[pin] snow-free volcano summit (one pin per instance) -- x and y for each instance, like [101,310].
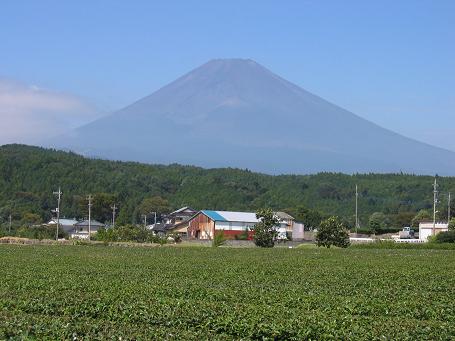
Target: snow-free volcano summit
[236,113]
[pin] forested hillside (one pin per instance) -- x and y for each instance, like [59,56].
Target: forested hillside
[29,175]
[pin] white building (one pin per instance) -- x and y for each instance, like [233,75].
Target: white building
[426,229]
[205,223]
[66,224]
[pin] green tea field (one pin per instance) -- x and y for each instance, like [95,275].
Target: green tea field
[100,292]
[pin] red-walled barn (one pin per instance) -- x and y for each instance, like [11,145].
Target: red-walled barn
[204,224]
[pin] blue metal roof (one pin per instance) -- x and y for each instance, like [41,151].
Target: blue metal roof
[214,215]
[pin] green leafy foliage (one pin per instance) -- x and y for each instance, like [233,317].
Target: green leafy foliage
[28,175]
[422,215]
[112,293]
[377,222]
[445,237]
[129,233]
[265,231]
[452,224]
[332,232]
[219,239]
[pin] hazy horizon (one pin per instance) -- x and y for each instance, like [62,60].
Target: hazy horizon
[391,63]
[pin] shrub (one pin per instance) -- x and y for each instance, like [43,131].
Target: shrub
[219,239]
[452,224]
[445,237]
[242,236]
[176,237]
[332,232]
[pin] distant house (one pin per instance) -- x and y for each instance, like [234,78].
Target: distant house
[426,229]
[158,228]
[178,221]
[66,224]
[287,223]
[81,228]
[180,215]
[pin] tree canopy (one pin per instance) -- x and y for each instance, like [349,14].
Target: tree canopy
[265,231]
[29,175]
[332,232]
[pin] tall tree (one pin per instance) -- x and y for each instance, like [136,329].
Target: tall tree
[422,215]
[265,231]
[154,204]
[377,222]
[332,232]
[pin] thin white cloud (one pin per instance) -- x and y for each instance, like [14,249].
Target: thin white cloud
[29,114]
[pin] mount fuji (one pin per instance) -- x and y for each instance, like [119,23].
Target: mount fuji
[236,113]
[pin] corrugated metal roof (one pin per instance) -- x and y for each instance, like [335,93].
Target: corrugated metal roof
[214,215]
[284,215]
[63,221]
[248,217]
[182,209]
[92,223]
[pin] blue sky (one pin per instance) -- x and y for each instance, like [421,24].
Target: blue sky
[392,62]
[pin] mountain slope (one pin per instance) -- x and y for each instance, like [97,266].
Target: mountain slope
[29,175]
[237,113]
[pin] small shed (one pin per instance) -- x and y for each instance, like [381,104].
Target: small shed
[426,229]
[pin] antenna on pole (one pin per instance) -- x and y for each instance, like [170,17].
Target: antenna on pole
[114,208]
[59,197]
[435,201]
[357,225]
[89,198]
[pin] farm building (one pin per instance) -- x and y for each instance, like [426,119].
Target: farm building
[426,229]
[66,224]
[81,229]
[205,223]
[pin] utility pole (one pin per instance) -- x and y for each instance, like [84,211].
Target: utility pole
[435,201]
[114,208]
[10,223]
[356,208]
[59,197]
[448,209]
[145,219]
[155,218]
[89,198]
